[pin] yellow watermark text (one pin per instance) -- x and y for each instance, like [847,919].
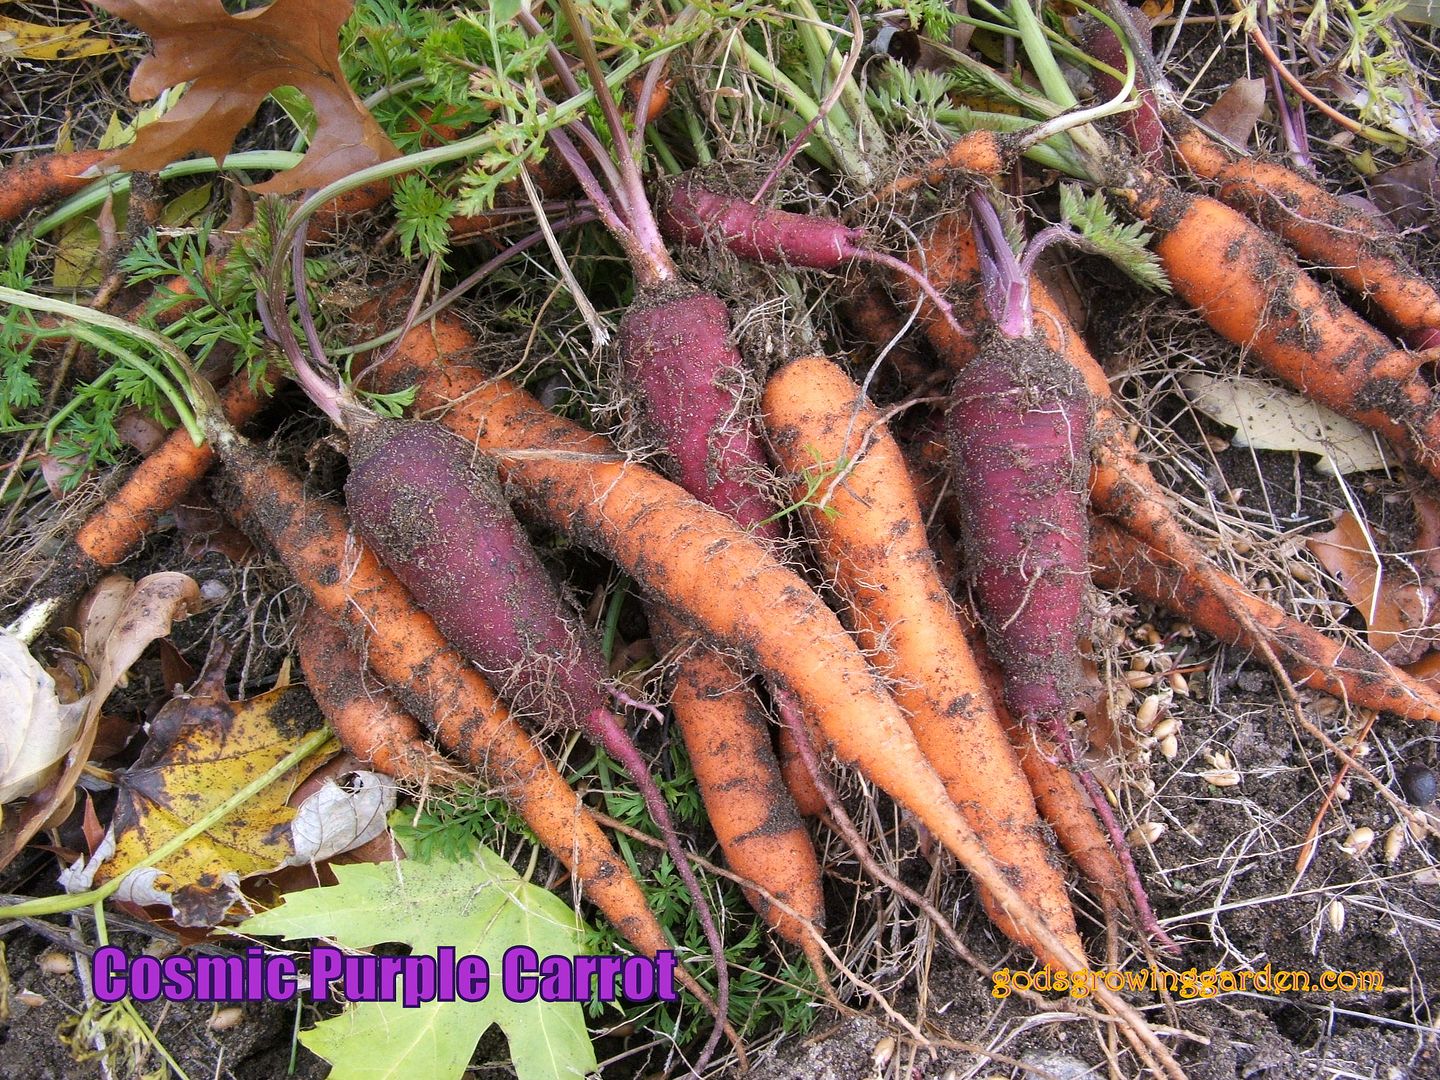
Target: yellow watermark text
[1188,984]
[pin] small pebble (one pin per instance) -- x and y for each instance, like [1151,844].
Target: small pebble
[226,1018]
[1417,781]
[55,962]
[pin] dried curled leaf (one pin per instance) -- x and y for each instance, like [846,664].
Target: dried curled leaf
[1269,417]
[1237,111]
[232,62]
[119,627]
[34,733]
[1399,610]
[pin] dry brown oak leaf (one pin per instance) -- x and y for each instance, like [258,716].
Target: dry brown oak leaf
[232,62]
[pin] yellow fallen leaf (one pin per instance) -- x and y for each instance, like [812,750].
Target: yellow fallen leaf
[203,748]
[35,41]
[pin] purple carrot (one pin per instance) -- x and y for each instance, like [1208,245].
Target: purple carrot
[695,215]
[1143,124]
[1020,429]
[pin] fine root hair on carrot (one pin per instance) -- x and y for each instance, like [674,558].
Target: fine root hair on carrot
[839,821]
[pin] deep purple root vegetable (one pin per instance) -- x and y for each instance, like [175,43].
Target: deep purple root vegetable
[1019,429]
[676,348]
[693,215]
[435,514]
[1143,124]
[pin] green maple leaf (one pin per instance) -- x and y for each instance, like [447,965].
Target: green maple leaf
[481,907]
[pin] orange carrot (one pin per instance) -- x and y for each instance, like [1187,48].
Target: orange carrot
[116,530]
[1065,806]
[978,152]
[949,257]
[1345,672]
[41,180]
[760,832]
[369,722]
[1254,294]
[798,781]
[872,315]
[872,544]
[1323,229]
[725,583]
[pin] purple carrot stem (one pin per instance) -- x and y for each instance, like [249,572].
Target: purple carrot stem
[1007,287]
[275,317]
[1292,116]
[302,299]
